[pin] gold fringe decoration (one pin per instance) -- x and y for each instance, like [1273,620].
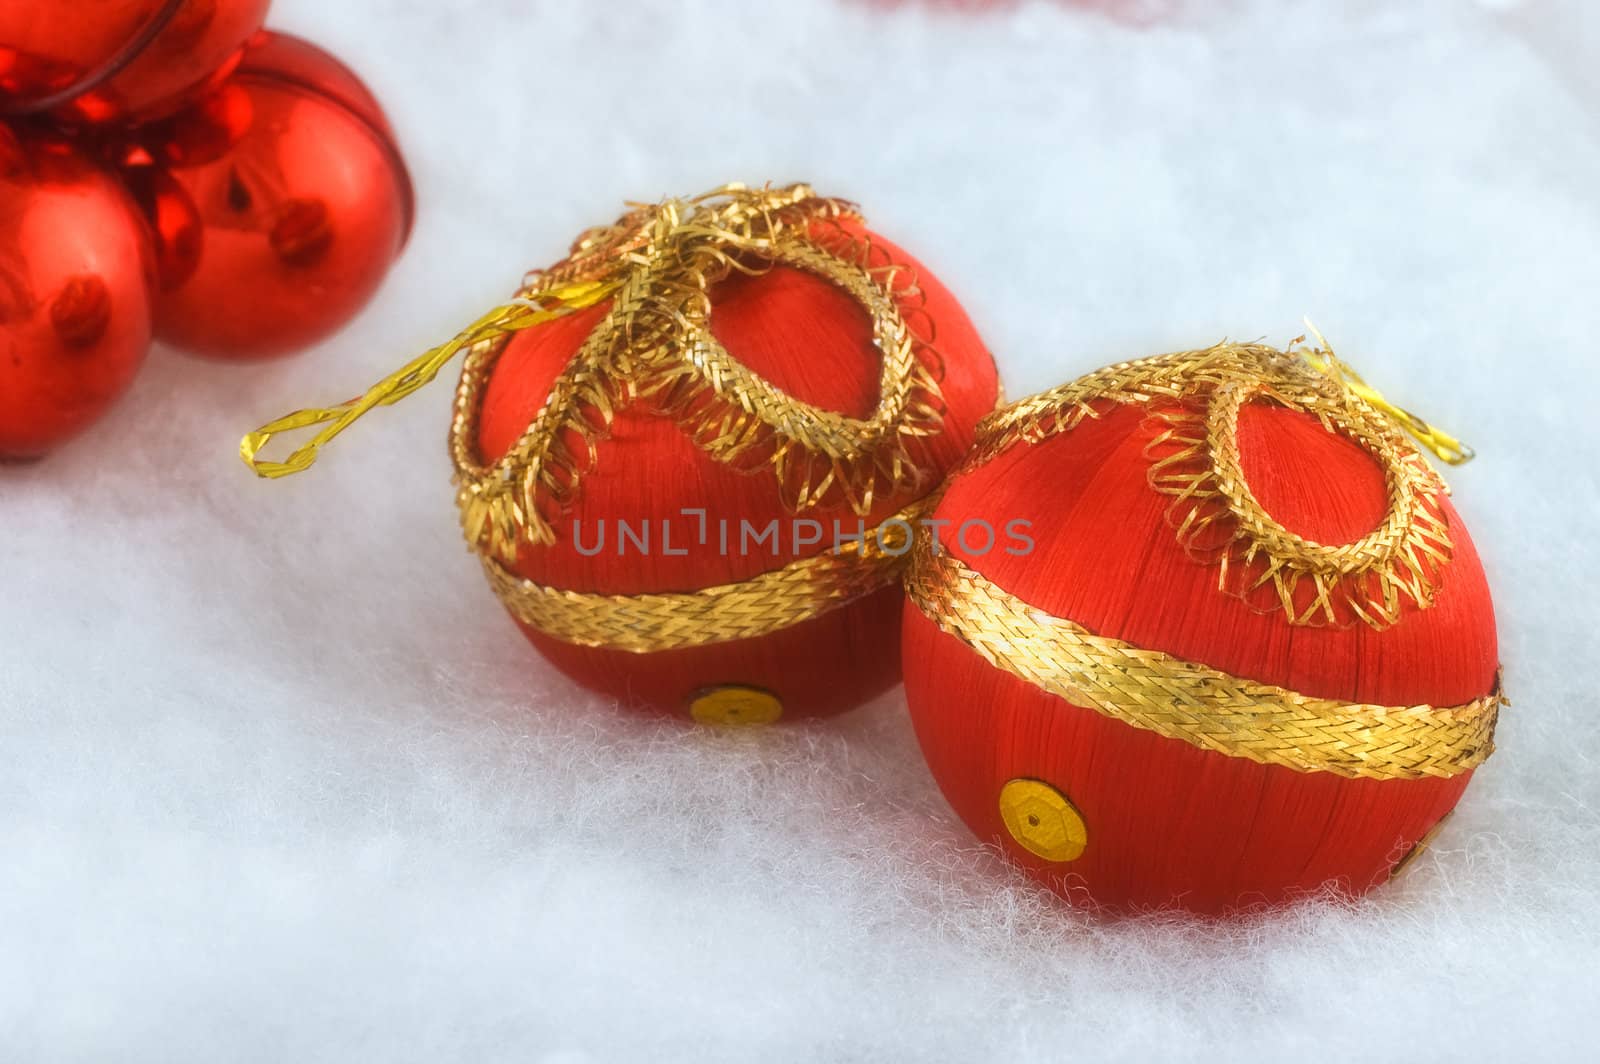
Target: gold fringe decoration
[656,266]
[1196,396]
[654,345]
[1192,703]
[653,270]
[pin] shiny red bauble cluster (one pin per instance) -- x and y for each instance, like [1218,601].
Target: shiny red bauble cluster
[168,169]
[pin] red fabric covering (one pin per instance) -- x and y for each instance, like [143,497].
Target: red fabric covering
[1168,822]
[813,342]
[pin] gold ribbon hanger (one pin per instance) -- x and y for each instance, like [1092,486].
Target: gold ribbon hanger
[513,316]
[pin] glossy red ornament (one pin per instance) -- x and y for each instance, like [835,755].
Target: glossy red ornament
[105,61]
[75,280]
[1172,541]
[280,203]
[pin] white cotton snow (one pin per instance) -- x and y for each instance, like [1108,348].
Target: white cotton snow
[279,780]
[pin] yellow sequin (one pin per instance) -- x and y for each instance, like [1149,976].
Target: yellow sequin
[1043,821]
[736,706]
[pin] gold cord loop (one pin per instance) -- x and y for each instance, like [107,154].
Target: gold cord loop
[518,314]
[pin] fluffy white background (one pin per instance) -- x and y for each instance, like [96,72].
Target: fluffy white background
[279,781]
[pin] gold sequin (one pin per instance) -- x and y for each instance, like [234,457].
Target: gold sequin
[1042,820]
[735,706]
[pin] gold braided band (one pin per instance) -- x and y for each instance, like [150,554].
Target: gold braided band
[1195,397]
[763,604]
[1190,702]
[649,275]
[652,272]
[654,346]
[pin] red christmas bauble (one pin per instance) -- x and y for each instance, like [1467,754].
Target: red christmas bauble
[1247,652]
[75,277]
[103,61]
[770,379]
[280,202]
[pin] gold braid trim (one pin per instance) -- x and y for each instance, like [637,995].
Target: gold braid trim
[1190,702]
[654,345]
[763,604]
[1196,396]
[651,273]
